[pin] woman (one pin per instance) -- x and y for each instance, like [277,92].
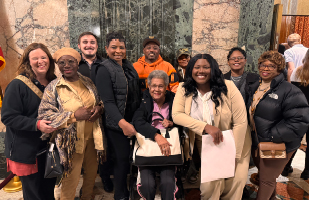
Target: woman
[118,86]
[237,59]
[23,130]
[156,99]
[302,77]
[183,58]
[279,113]
[72,105]
[205,103]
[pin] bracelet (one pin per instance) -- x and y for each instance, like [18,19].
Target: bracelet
[38,124]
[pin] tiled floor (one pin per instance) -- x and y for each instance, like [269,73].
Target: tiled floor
[294,188]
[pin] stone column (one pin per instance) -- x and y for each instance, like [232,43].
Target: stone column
[255,29]
[215,28]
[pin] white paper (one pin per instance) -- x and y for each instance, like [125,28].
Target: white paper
[218,161]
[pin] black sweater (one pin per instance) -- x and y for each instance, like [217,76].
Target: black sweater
[18,114]
[281,115]
[141,119]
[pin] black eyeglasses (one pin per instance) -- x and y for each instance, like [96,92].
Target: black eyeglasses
[63,63]
[237,58]
[270,67]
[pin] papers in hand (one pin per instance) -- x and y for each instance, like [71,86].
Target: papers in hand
[218,161]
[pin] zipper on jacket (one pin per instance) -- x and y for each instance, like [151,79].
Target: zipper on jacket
[125,104]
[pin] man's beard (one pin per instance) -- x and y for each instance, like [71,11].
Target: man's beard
[89,56]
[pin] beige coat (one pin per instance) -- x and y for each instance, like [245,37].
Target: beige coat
[230,114]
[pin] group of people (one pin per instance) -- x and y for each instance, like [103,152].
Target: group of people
[93,109]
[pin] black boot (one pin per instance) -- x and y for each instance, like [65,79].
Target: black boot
[108,184]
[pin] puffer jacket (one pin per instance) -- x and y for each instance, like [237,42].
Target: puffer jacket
[281,115]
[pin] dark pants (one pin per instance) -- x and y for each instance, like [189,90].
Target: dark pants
[147,188]
[35,186]
[106,168]
[120,145]
[269,170]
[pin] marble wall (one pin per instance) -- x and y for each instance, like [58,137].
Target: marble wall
[215,28]
[169,20]
[255,29]
[24,22]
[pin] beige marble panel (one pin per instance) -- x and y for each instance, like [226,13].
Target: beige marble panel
[24,22]
[215,28]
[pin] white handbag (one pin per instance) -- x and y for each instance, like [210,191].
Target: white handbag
[147,152]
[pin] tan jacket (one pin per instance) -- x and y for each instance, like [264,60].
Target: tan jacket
[230,114]
[71,101]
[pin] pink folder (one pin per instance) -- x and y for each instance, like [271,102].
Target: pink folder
[218,161]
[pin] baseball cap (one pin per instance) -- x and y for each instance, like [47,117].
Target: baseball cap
[182,51]
[151,39]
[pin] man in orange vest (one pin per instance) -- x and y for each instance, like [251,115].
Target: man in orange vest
[153,61]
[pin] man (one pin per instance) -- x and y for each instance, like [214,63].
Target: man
[153,61]
[88,45]
[294,56]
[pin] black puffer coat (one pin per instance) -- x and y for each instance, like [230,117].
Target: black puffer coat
[282,115]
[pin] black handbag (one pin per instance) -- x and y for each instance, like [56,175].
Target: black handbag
[53,168]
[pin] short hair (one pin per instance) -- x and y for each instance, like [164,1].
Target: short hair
[87,33]
[158,74]
[293,39]
[115,35]
[274,57]
[237,49]
[25,67]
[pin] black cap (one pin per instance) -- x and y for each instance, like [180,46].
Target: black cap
[151,39]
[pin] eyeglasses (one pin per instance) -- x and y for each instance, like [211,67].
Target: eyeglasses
[237,58]
[161,87]
[270,67]
[63,63]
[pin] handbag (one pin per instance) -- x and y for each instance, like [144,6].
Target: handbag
[53,168]
[272,150]
[147,152]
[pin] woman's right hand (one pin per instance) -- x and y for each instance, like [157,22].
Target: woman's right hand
[163,144]
[82,114]
[45,128]
[215,133]
[127,128]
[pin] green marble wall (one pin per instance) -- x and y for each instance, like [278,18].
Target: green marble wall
[255,24]
[169,20]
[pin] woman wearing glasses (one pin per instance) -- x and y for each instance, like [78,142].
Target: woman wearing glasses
[71,103]
[237,59]
[278,113]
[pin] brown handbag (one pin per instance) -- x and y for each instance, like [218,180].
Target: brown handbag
[272,150]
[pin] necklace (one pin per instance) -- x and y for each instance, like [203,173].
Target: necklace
[253,107]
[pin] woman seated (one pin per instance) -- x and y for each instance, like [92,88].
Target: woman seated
[156,99]
[207,104]
[278,113]
[72,104]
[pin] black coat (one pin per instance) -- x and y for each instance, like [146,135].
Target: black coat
[281,115]
[141,119]
[18,114]
[250,79]
[84,68]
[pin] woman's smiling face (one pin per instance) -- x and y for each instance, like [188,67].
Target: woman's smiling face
[201,72]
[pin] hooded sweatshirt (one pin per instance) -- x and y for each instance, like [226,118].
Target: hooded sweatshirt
[144,69]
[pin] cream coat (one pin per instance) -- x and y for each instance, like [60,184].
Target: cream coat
[230,114]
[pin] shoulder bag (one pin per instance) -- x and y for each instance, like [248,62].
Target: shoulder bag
[147,152]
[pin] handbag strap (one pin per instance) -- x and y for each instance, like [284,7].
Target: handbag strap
[161,118]
[30,84]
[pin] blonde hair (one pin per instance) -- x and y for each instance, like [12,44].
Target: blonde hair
[302,72]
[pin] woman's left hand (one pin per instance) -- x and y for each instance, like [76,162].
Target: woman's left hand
[167,123]
[97,111]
